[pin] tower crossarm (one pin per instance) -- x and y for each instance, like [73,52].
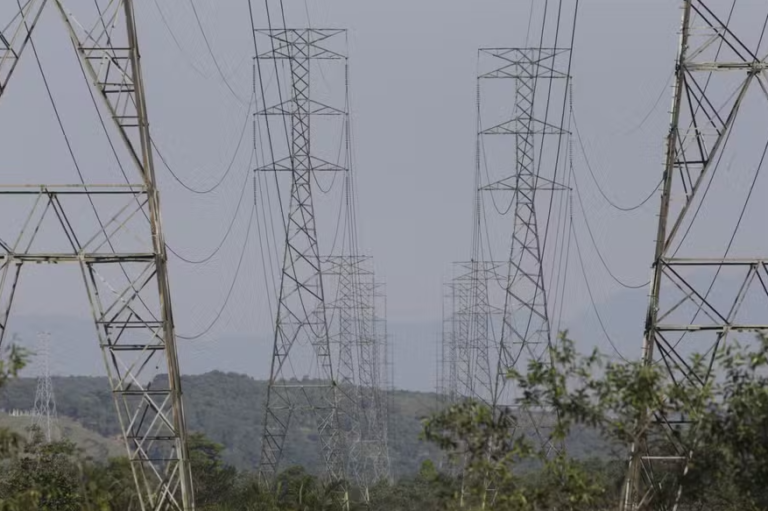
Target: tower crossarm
[703,295]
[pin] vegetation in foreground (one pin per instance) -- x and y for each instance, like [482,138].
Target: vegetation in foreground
[505,468]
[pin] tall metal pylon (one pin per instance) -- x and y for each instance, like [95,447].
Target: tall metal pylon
[456,380]
[354,332]
[525,330]
[461,295]
[301,312]
[387,365]
[709,283]
[346,333]
[381,383]
[473,319]
[120,250]
[44,417]
[343,334]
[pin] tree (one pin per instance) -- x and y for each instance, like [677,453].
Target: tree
[429,490]
[506,468]
[213,481]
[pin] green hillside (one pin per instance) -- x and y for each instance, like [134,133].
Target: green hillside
[92,443]
[228,408]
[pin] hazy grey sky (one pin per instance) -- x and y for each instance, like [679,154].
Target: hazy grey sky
[413,66]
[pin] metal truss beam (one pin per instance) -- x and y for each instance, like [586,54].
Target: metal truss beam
[715,74]
[15,34]
[126,281]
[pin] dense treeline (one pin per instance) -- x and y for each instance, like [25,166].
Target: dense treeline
[57,476]
[483,458]
[229,407]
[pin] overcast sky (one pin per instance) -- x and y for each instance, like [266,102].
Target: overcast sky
[413,67]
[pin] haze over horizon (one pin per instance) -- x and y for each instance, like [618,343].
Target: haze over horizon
[413,70]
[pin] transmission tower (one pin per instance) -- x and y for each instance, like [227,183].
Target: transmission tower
[44,418]
[387,380]
[473,324]
[461,295]
[343,336]
[525,330]
[381,383]
[301,312]
[121,254]
[456,377]
[709,284]
[356,332]
[353,332]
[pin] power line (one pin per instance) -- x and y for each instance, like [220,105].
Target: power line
[592,297]
[226,172]
[176,41]
[594,243]
[655,105]
[218,315]
[597,183]
[213,56]
[226,233]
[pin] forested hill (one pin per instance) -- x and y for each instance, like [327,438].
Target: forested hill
[228,408]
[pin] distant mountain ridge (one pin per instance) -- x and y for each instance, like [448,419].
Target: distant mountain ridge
[228,408]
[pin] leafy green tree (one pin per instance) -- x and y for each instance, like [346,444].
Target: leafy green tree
[729,411]
[429,490]
[212,479]
[507,468]
[49,471]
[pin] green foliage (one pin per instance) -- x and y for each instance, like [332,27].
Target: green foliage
[227,407]
[506,468]
[211,478]
[504,464]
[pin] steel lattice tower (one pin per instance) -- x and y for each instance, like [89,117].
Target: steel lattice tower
[456,377]
[461,294]
[352,331]
[359,360]
[526,326]
[472,324]
[301,312]
[44,418]
[344,335]
[706,290]
[380,435]
[123,258]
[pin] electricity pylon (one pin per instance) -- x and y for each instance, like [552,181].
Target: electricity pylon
[457,380]
[374,441]
[120,250]
[706,289]
[525,330]
[346,332]
[382,382]
[354,332]
[468,334]
[472,324]
[301,320]
[44,418]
